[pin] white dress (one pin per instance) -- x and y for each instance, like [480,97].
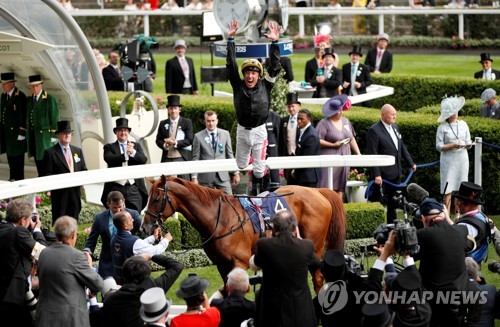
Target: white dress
[454,163]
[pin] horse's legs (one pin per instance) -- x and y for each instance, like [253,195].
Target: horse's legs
[317,280]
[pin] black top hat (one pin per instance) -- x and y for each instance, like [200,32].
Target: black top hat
[174,101]
[485,56]
[34,80]
[63,126]
[406,281]
[7,77]
[356,49]
[376,315]
[121,123]
[192,286]
[469,191]
[328,52]
[333,265]
[292,98]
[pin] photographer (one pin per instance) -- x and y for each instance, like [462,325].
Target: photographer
[17,249]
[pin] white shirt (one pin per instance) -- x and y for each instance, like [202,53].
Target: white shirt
[392,133]
[146,246]
[301,130]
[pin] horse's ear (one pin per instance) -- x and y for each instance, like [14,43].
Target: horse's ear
[163,179]
[151,180]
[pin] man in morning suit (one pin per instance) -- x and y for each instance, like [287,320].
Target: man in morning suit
[65,273]
[124,153]
[64,158]
[307,145]
[210,144]
[112,74]
[288,133]
[175,135]
[180,77]
[356,75]
[327,85]
[312,65]
[284,298]
[384,138]
[103,226]
[41,121]
[379,59]
[12,118]
[18,248]
[487,72]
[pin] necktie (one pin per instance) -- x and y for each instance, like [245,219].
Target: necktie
[68,158]
[34,99]
[7,97]
[172,128]
[292,122]
[118,71]
[353,69]
[214,144]
[184,63]
[490,109]
[112,228]
[124,150]
[379,55]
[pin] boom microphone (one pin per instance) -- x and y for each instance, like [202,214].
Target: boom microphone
[417,192]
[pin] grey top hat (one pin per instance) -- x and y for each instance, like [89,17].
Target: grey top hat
[122,123]
[35,80]
[109,285]
[357,50]
[7,77]
[154,305]
[180,43]
[488,94]
[192,286]
[383,36]
[63,126]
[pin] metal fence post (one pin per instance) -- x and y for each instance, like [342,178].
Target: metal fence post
[478,153]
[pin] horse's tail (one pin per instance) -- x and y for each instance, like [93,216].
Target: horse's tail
[335,237]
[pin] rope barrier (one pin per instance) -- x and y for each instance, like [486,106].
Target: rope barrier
[491,145]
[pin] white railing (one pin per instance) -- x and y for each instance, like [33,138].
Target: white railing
[302,12]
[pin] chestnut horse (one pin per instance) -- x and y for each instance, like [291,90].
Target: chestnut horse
[225,227]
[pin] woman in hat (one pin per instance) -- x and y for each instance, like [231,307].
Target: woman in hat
[452,140]
[199,312]
[337,136]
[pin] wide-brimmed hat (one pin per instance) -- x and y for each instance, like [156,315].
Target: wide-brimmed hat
[292,98]
[430,204]
[333,265]
[356,49]
[35,80]
[64,126]
[376,315]
[485,56]
[334,105]
[328,52]
[122,123]
[488,94]
[469,191]
[383,36]
[192,286]
[450,106]
[7,78]
[109,285]
[174,101]
[154,305]
[180,43]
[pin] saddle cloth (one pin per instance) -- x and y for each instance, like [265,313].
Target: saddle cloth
[263,208]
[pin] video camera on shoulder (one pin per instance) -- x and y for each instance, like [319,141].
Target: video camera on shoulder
[406,236]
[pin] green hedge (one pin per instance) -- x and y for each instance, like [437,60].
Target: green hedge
[363,218]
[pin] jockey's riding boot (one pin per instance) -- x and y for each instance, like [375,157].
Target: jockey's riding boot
[256,186]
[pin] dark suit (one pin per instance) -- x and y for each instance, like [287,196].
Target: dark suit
[100,227]
[174,76]
[15,266]
[308,145]
[202,150]
[362,76]
[479,74]
[385,62]
[64,274]
[112,80]
[330,86]
[114,158]
[234,310]
[380,142]
[311,69]
[494,113]
[284,298]
[12,118]
[64,201]
[286,64]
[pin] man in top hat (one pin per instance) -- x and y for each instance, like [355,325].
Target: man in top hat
[356,75]
[64,158]
[312,65]
[12,120]
[487,73]
[467,201]
[175,134]
[288,133]
[41,121]
[379,59]
[490,108]
[112,74]
[252,99]
[154,307]
[124,153]
[180,77]
[327,85]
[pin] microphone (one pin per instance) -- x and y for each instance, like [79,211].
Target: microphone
[417,192]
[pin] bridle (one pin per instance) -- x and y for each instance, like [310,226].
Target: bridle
[164,201]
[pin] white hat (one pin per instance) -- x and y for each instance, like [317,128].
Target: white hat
[383,36]
[154,305]
[180,43]
[450,106]
[488,94]
[109,285]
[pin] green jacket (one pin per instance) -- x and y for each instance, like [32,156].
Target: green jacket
[12,118]
[42,119]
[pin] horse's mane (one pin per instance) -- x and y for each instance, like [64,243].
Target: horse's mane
[206,195]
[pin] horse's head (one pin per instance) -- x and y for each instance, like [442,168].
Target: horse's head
[159,207]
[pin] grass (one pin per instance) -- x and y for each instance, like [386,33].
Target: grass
[435,65]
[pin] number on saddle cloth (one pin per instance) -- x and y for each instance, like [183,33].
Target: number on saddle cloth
[262,209]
